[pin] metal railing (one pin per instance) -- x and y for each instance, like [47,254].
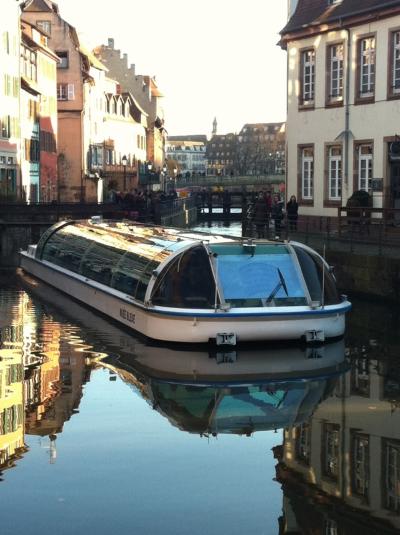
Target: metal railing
[353,229]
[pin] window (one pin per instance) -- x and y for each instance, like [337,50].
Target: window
[64,62]
[303,443]
[96,156]
[65,92]
[44,25]
[307,173]
[366,77]
[335,173]
[360,378]
[5,126]
[391,474]
[365,165]
[307,77]
[330,452]
[395,63]
[6,42]
[360,464]
[335,72]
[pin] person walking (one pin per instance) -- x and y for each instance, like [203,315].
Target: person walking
[292,209]
[260,215]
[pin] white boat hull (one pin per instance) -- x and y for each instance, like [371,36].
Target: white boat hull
[192,326]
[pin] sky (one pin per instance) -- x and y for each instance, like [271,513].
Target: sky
[211,58]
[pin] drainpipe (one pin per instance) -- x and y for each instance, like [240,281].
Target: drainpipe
[347,116]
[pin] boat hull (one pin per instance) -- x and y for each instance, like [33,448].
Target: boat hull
[190,326]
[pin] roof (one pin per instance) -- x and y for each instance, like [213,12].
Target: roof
[197,137]
[316,12]
[39,5]
[92,58]
[270,128]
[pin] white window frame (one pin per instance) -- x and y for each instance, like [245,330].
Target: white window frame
[367,66]
[65,92]
[336,55]
[360,464]
[396,62]
[335,174]
[308,76]
[391,469]
[365,167]
[307,173]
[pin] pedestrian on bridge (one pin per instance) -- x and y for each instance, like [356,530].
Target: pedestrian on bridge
[260,215]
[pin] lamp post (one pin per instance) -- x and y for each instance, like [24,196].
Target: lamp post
[124,162]
[163,174]
[175,173]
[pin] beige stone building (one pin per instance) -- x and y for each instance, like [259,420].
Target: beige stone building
[10,183]
[145,91]
[343,99]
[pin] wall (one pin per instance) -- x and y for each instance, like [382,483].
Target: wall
[323,125]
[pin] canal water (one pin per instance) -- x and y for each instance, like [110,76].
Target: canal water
[100,433]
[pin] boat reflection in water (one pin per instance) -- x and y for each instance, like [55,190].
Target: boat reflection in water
[209,394]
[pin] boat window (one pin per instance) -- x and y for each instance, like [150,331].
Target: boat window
[311,266]
[261,275]
[65,249]
[187,282]
[98,262]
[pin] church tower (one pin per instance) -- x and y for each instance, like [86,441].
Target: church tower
[214,130]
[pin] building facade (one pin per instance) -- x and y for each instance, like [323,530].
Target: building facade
[146,93]
[343,102]
[261,149]
[77,70]
[189,153]
[38,116]
[221,154]
[10,182]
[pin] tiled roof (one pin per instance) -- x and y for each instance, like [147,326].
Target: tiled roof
[314,12]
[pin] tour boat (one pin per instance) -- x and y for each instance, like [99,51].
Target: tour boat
[173,285]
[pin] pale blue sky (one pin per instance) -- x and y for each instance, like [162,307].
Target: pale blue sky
[210,57]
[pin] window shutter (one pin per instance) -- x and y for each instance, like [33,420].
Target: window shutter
[71,92]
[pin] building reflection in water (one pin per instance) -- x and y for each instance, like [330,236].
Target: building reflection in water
[42,372]
[340,471]
[339,464]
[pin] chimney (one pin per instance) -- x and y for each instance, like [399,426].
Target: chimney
[125,56]
[110,43]
[132,68]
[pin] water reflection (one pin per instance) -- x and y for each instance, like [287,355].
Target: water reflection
[338,458]
[340,471]
[260,390]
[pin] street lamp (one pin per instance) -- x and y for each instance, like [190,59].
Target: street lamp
[124,162]
[175,173]
[163,173]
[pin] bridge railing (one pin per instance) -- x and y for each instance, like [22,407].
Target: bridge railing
[356,229]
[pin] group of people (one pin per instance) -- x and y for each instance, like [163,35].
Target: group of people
[268,208]
[142,205]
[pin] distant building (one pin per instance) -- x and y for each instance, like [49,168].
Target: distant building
[189,152]
[221,154]
[145,91]
[10,184]
[343,102]
[261,149]
[38,116]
